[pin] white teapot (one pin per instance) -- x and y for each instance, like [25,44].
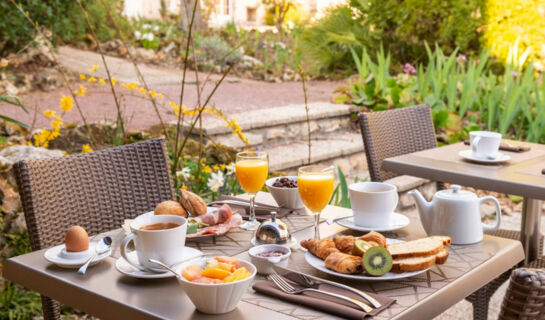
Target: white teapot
[455,213]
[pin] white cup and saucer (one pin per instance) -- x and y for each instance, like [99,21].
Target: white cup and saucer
[160,237]
[373,205]
[485,146]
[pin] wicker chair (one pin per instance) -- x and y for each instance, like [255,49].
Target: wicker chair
[525,296]
[396,132]
[95,190]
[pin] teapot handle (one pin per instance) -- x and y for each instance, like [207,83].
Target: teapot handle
[498,212]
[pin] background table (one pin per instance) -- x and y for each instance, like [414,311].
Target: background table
[105,293]
[520,176]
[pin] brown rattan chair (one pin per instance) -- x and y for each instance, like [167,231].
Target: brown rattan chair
[400,131]
[525,296]
[95,190]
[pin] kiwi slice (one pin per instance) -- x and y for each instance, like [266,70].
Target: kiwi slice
[360,247]
[377,261]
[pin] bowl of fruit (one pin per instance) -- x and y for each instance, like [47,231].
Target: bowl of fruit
[216,285]
[284,191]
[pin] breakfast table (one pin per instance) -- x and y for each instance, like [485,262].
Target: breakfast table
[522,175]
[105,293]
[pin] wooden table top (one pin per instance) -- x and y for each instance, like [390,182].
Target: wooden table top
[107,294]
[521,175]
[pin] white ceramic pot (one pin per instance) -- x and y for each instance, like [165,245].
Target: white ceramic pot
[285,197]
[215,298]
[265,265]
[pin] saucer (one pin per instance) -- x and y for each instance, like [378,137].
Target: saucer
[127,269]
[58,256]
[468,155]
[292,243]
[397,221]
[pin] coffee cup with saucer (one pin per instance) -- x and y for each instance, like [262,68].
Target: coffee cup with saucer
[373,203]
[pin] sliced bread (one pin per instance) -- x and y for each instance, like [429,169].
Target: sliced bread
[416,248]
[447,241]
[419,263]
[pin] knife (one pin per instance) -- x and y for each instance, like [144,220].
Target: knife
[244,204]
[313,282]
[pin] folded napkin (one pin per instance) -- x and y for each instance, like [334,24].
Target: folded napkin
[322,302]
[260,214]
[507,147]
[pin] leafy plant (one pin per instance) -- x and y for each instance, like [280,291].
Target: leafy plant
[13,100]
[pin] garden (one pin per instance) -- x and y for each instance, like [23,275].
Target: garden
[479,65]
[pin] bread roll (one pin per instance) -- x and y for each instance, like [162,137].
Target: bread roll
[192,203]
[170,207]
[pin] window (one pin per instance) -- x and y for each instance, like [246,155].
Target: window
[251,14]
[226,7]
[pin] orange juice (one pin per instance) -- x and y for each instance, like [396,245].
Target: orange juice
[251,174]
[316,190]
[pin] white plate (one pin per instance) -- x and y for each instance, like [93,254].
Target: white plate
[468,155]
[53,255]
[397,221]
[292,243]
[125,268]
[319,264]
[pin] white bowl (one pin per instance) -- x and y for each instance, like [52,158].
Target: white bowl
[263,265]
[285,197]
[215,298]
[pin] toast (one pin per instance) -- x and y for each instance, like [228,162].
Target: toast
[419,263]
[447,241]
[416,248]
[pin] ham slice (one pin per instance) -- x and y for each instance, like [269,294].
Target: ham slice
[233,222]
[216,217]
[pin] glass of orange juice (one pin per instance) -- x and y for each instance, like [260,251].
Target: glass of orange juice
[316,184]
[252,169]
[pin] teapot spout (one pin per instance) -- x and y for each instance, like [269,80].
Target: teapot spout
[424,209]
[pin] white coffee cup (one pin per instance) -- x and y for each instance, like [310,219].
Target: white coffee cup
[165,245]
[373,203]
[484,143]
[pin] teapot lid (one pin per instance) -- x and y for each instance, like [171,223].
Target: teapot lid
[456,193]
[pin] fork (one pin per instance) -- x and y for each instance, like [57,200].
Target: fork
[289,289]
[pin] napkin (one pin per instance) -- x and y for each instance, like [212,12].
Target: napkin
[260,214]
[322,302]
[507,147]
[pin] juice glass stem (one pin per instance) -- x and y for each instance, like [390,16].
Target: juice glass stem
[317,225]
[252,223]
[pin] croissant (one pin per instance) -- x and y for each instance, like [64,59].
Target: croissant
[344,263]
[345,244]
[320,248]
[376,237]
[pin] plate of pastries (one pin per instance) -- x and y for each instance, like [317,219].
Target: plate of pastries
[373,257]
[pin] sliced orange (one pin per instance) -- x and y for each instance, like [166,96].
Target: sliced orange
[226,259]
[215,273]
[192,272]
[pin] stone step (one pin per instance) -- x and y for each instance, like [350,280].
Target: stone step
[280,124]
[343,149]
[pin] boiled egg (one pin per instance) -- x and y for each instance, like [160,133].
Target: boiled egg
[76,239]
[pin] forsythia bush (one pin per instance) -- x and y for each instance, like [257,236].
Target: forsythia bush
[510,20]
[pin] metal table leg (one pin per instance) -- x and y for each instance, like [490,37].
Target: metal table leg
[531,229]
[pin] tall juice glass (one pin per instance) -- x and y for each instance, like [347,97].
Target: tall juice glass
[252,169]
[316,184]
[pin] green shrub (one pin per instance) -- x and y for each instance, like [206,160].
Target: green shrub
[63,18]
[214,51]
[401,27]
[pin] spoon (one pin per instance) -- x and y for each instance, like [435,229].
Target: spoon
[330,221]
[164,266]
[274,260]
[102,246]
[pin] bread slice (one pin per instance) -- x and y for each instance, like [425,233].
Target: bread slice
[447,241]
[416,248]
[419,263]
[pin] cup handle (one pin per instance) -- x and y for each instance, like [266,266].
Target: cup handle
[498,212]
[474,144]
[124,251]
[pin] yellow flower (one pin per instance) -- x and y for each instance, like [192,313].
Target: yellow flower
[123,85]
[92,79]
[160,96]
[81,91]
[176,109]
[49,113]
[172,103]
[184,187]
[114,81]
[142,90]
[223,166]
[82,76]
[93,68]
[66,103]
[131,86]
[207,169]
[86,148]
[152,93]
[4,63]
[216,168]
[101,81]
